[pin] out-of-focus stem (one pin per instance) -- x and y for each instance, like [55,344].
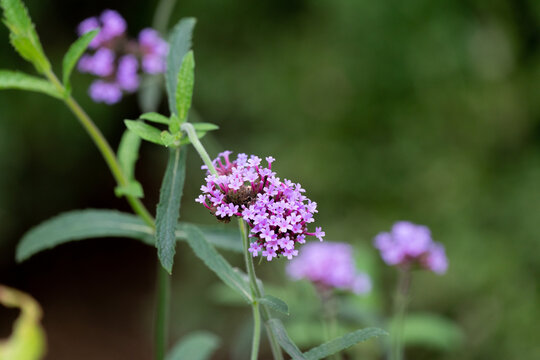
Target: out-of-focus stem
[400,309]
[162,15]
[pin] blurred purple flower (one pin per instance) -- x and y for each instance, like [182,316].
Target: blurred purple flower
[100,64]
[409,244]
[154,51]
[105,92]
[126,75]
[329,265]
[277,212]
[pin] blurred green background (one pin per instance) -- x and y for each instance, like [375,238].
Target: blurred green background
[393,110]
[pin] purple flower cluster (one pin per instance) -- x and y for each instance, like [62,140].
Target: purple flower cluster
[276,211]
[115,59]
[409,244]
[329,265]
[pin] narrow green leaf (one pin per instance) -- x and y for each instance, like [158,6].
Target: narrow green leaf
[275,304]
[217,263]
[145,131]
[284,340]
[195,346]
[133,188]
[204,126]
[155,117]
[128,153]
[21,81]
[342,343]
[23,35]
[180,44]
[430,330]
[168,209]
[184,87]
[185,140]
[73,54]
[221,236]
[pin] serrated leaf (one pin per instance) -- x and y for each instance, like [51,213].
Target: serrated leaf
[21,81]
[195,346]
[343,342]
[179,44]
[145,131]
[204,126]
[168,209]
[184,87]
[23,35]
[73,54]
[155,117]
[217,263]
[275,304]
[93,223]
[27,342]
[128,153]
[284,340]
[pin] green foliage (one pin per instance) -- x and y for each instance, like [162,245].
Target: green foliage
[180,44]
[155,117]
[128,153]
[203,127]
[27,342]
[94,223]
[21,81]
[275,304]
[145,131]
[431,330]
[342,343]
[168,209]
[196,346]
[217,263]
[284,340]
[184,87]
[73,54]
[23,35]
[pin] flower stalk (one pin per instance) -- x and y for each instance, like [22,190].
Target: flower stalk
[400,308]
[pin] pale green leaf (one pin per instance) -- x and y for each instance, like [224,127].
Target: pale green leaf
[168,139]
[284,340]
[342,343]
[179,44]
[27,342]
[168,209]
[275,304]
[155,117]
[204,126]
[195,346]
[145,131]
[184,87]
[217,263]
[21,81]
[133,188]
[128,153]
[73,54]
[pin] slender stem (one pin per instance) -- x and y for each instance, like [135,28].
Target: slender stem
[256,331]
[162,15]
[256,292]
[192,135]
[400,308]
[162,312]
[329,309]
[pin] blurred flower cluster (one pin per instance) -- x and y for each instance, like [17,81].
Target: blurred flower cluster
[276,211]
[329,265]
[409,244]
[116,59]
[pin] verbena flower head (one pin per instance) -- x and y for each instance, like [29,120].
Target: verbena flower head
[116,59]
[409,244]
[276,211]
[329,265]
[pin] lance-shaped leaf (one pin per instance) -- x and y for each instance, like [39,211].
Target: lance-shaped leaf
[21,81]
[168,209]
[93,223]
[217,263]
[155,117]
[23,35]
[275,304]
[284,340]
[73,54]
[27,342]
[196,346]
[128,153]
[145,131]
[184,88]
[342,343]
[179,44]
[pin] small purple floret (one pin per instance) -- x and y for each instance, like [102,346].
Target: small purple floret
[105,92]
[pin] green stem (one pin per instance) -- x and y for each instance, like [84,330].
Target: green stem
[329,310]
[162,15]
[400,308]
[192,135]
[256,331]
[256,292]
[162,312]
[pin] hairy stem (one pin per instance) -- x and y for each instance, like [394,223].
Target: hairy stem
[162,312]
[400,308]
[192,135]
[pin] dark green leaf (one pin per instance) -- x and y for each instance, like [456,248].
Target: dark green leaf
[195,346]
[145,131]
[342,343]
[283,339]
[215,262]
[21,81]
[180,44]
[128,153]
[168,209]
[184,87]
[73,54]
[275,304]
[155,117]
